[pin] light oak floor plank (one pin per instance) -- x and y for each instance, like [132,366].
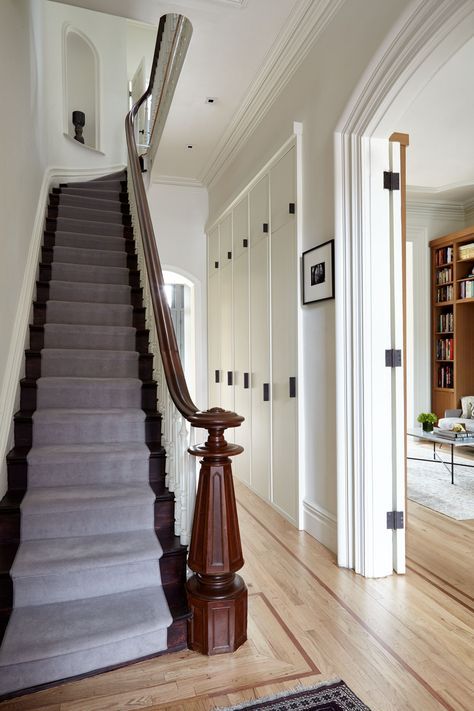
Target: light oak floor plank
[401,643]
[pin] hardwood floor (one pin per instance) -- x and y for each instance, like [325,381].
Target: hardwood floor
[401,643]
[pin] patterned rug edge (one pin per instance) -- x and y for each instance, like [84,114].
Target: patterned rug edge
[329,683]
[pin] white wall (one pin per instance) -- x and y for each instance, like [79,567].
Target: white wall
[141,40]
[109,36]
[21,172]
[425,221]
[316,95]
[179,216]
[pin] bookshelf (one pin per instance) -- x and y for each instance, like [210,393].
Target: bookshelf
[452,270]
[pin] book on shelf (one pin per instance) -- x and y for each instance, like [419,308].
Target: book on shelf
[446,322]
[444,255]
[443,276]
[445,376]
[466,251]
[466,288]
[445,349]
[444,293]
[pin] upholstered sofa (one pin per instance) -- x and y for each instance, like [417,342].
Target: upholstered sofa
[465,415]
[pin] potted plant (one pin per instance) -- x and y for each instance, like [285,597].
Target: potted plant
[427,420]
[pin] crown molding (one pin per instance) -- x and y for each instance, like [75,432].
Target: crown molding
[177,181]
[288,52]
[435,208]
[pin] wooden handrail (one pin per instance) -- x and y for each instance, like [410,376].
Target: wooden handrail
[215,592]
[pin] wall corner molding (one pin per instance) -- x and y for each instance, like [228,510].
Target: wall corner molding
[283,59]
[321,524]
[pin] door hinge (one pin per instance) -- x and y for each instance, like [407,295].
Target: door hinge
[395,520]
[393,358]
[391,181]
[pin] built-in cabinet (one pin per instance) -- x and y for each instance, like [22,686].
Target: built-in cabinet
[452,269]
[253,332]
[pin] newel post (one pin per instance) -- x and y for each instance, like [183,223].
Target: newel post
[216,595]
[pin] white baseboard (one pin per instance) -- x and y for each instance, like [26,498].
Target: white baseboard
[320,524]
[10,387]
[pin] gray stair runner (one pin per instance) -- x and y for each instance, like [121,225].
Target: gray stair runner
[87,584]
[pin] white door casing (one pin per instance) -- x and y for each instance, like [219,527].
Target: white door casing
[369,480]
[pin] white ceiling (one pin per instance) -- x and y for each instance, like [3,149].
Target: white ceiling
[440,123]
[232,41]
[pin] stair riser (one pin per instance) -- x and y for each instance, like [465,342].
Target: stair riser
[113,205]
[91,397]
[115,185]
[87,227]
[76,585]
[114,259]
[93,367]
[173,567]
[86,523]
[74,291]
[40,316]
[19,471]
[67,434]
[66,239]
[101,275]
[106,195]
[90,431]
[87,215]
[40,339]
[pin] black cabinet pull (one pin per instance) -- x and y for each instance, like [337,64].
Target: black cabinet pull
[229,255]
[292,386]
[230,377]
[291,208]
[265,226]
[246,381]
[245,242]
[266,392]
[217,376]
[216,265]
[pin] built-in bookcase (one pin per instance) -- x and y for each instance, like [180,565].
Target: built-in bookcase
[452,261]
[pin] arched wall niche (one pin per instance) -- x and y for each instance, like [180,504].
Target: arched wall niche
[81,84]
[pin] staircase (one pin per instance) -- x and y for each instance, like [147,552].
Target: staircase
[91,574]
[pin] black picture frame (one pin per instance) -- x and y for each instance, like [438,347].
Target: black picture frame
[317,266]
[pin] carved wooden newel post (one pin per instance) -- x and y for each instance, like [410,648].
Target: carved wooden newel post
[217,596]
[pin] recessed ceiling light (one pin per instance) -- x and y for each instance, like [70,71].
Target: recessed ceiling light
[211,100]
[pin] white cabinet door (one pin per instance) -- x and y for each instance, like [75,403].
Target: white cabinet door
[284,370]
[284,350]
[226,326]
[214,319]
[260,339]
[283,190]
[240,230]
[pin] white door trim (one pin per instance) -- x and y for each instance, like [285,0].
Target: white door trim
[426,35]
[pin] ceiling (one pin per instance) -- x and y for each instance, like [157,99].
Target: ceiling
[439,121]
[233,42]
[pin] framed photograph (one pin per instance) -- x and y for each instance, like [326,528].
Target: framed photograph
[318,273]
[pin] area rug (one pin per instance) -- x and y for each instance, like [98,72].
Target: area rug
[328,696]
[429,484]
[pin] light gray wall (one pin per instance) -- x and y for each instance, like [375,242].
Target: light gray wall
[316,95]
[21,170]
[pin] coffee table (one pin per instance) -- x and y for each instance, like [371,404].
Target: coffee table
[437,439]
